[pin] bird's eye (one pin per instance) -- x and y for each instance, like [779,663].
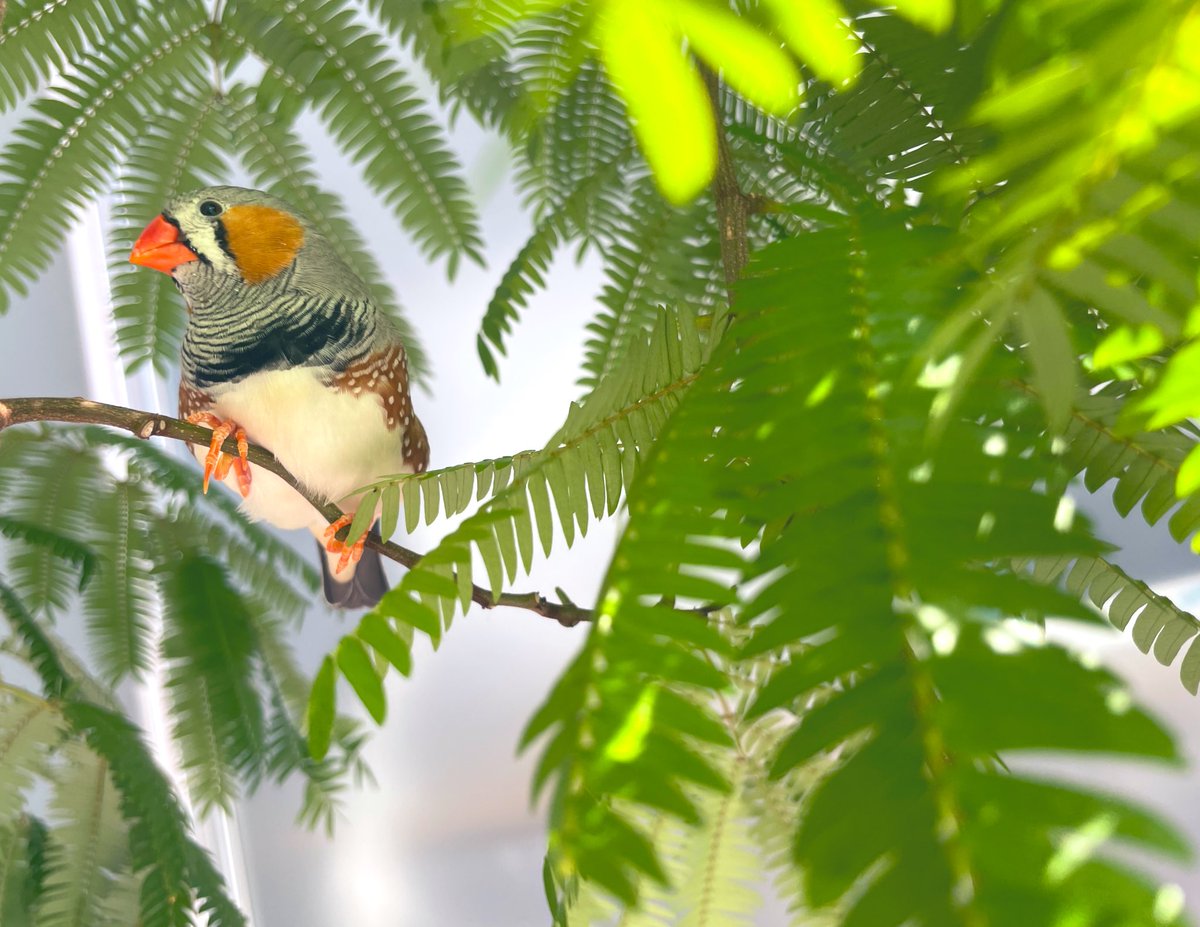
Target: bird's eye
[210,208]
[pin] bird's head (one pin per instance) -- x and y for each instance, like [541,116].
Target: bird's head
[223,230]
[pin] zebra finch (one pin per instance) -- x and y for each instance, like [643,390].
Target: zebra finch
[284,347]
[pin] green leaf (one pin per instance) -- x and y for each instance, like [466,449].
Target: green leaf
[375,631]
[216,710]
[1126,344]
[118,604]
[667,103]
[38,38]
[320,51]
[320,712]
[753,64]
[355,664]
[87,852]
[1189,474]
[814,29]
[364,516]
[935,15]
[68,147]
[178,877]
[1051,356]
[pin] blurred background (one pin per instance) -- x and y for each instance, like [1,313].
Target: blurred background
[446,835]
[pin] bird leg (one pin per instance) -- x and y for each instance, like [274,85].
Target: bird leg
[350,553]
[217,463]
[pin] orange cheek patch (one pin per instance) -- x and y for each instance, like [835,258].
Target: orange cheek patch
[262,240]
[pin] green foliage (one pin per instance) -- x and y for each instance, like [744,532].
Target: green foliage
[87,879]
[210,642]
[176,151]
[579,475]
[125,549]
[62,155]
[973,281]
[926,695]
[1157,623]
[316,48]
[39,37]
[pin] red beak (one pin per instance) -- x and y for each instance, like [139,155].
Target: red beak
[159,247]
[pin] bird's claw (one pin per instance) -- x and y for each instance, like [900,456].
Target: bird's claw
[350,553]
[217,463]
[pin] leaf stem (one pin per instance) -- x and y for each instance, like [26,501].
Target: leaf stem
[733,205]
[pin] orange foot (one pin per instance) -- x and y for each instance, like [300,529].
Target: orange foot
[218,463]
[350,553]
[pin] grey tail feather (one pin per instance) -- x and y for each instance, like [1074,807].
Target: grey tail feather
[365,588]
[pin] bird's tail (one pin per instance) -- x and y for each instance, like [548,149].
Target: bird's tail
[360,585]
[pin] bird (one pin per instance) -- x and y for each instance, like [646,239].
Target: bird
[284,347]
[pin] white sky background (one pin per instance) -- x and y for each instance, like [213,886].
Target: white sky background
[447,838]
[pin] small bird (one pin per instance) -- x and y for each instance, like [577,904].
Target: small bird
[285,348]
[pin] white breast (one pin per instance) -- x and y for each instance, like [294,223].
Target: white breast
[333,442]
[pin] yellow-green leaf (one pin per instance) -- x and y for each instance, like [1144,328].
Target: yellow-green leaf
[411,491]
[378,632]
[363,516]
[817,33]
[667,103]
[1051,356]
[934,15]
[1127,343]
[751,62]
[1188,480]
[1177,395]
[390,515]
[355,664]
[320,712]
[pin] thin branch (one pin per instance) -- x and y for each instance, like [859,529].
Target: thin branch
[148,425]
[214,39]
[733,205]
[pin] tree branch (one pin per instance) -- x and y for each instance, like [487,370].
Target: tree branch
[147,425]
[733,206]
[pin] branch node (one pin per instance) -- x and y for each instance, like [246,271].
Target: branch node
[147,429]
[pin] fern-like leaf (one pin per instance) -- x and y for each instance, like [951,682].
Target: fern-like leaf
[88,850]
[39,36]
[472,74]
[851,508]
[653,263]
[173,866]
[62,547]
[118,604]
[59,486]
[216,710]
[524,275]
[579,136]
[29,728]
[1158,624]
[179,150]
[319,48]
[61,155]
[21,857]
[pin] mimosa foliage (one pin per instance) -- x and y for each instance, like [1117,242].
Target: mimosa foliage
[847,474]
